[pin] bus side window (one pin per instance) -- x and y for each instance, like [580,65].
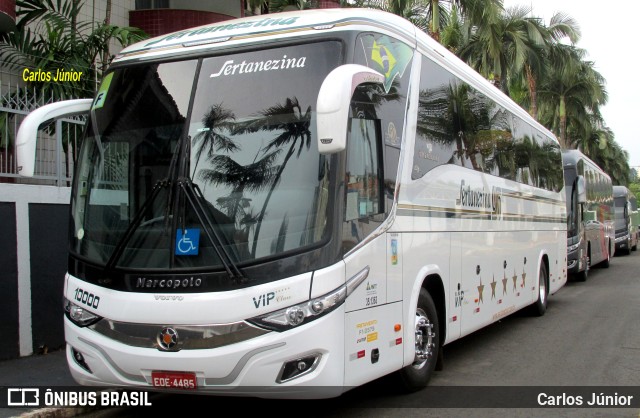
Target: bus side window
[363,186]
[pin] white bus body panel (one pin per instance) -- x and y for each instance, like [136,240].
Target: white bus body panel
[489,258]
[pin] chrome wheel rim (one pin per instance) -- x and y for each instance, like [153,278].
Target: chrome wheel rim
[543,289]
[424,337]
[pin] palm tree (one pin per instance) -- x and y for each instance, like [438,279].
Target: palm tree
[415,11]
[286,5]
[561,26]
[58,42]
[252,177]
[614,161]
[589,135]
[432,16]
[500,48]
[523,81]
[211,138]
[571,90]
[453,33]
[293,128]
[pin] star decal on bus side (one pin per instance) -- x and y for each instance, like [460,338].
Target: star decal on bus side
[493,287]
[515,279]
[480,291]
[504,284]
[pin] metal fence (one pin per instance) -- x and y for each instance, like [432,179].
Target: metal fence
[57,143]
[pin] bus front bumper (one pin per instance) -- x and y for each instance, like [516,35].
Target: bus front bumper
[255,367]
[576,259]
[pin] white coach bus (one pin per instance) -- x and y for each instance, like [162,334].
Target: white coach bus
[590,214]
[302,201]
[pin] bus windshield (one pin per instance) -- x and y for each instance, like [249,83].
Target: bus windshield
[572,201]
[242,136]
[620,206]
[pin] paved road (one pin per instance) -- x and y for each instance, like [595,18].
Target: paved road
[590,336]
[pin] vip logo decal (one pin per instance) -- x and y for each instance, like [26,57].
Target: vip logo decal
[264,300]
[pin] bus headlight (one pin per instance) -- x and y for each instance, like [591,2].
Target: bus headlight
[79,315]
[573,247]
[306,312]
[622,238]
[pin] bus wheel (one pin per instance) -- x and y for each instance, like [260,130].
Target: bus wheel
[539,307]
[584,274]
[427,345]
[607,262]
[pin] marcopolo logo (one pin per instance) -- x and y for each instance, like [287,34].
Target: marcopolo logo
[174,283]
[284,63]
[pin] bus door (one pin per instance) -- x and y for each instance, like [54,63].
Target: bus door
[370,336]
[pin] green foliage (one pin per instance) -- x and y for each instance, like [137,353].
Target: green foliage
[48,37]
[634,186]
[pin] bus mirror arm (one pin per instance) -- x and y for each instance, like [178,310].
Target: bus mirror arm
[28,132]
[334,99]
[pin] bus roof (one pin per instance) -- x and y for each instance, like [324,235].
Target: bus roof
[238,32]
[621,191]
[570,157]
[275,25]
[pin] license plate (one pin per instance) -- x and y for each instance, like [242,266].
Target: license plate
[174,380]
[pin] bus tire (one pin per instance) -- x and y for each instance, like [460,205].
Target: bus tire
[584,274]
[416,376]
[539,307]
[607,262]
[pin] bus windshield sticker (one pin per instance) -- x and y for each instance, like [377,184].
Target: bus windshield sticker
[187,241]
[284,63]
[268,23]
[101,97]
[391,59]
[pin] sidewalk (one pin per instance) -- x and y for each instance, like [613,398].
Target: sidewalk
[44,370]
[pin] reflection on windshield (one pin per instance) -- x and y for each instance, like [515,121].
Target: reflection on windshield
[250,158]
[255,160]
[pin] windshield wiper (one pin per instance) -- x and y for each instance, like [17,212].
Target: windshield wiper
[195,198]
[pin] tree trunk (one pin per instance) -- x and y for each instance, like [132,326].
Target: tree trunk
[260,217]
[533,94]
[563,123]
[435,20]
[105,53]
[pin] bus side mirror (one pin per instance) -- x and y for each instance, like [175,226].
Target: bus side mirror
[334,99]
[581,189]
[28,131]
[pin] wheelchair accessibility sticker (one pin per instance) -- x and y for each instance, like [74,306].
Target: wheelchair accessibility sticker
[187,241]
